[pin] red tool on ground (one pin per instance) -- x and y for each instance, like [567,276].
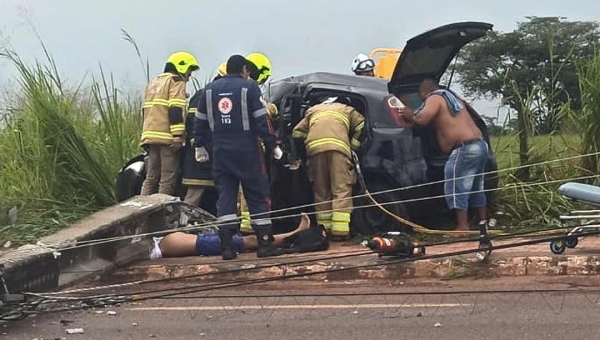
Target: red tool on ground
[395,244]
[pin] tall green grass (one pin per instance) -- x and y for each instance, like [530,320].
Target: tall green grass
[532,200]
[535,202]
[61,148]
[527,199]
[526,204]
[588,120]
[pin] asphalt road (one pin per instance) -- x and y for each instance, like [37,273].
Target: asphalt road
[322,316]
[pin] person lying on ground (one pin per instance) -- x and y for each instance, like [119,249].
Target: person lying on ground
[180,244]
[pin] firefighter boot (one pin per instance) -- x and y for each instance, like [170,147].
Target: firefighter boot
[266,248]
[228,251]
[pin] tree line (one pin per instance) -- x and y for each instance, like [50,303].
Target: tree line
[535,71]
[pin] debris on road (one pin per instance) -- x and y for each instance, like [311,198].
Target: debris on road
[131,204]
[111,313]
[74,330]
[437,325]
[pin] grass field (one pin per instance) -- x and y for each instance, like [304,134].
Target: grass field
[549,147]
[554,160]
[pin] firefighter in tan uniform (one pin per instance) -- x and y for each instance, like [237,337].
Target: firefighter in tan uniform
[163,129]
[330,131]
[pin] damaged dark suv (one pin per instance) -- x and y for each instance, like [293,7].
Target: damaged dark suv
[391,156]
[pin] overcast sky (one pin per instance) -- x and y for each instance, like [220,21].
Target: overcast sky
[299,36]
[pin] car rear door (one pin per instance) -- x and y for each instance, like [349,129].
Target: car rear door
[429,54]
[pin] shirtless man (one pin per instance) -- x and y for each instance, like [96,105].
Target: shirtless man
[180,244]
[458,136]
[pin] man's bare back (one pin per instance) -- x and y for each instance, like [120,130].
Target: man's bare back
[452,130]
[436,111]
[454,125]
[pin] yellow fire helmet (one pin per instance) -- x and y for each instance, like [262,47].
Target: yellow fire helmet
[183,62]
[263,67]
[222,70]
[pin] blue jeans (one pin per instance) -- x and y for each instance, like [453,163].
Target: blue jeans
[463,174]
[209,244]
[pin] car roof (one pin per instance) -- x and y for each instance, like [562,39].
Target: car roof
[367,86]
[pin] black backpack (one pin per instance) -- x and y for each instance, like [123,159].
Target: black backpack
[309,240]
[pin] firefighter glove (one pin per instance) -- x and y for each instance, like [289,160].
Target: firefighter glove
[272,110]
[277,153]
[201,155]
[294,165]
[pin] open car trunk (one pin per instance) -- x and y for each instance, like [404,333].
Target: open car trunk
[429,54]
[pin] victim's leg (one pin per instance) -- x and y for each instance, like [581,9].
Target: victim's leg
[250,242]
[178,244]
[256,192]
[303,225]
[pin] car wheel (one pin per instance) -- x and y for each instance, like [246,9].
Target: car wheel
[372,220]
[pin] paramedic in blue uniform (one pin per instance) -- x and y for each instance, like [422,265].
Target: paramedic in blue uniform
[233,111]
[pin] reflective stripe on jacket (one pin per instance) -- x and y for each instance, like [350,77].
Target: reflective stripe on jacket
[164,107]
[233,112]
[327,127]
[195,173]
